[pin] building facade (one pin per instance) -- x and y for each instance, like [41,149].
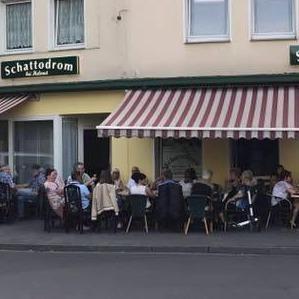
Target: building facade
[145,46]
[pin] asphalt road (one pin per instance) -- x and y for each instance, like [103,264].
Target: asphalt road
[107,276]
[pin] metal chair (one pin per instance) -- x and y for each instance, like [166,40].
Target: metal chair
[196,207]
[137,206]
[73,212]
[283,210]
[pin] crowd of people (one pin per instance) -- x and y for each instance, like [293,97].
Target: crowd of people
[165,196]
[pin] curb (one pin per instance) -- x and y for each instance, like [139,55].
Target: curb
[152,249]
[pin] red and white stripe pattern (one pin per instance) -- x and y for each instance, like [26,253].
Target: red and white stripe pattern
[9,101]
[245,112]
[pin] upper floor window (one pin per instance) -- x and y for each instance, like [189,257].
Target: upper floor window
[18,25]
[273,19]
[69,22]
[208,20]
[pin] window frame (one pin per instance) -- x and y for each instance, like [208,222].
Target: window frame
[3,43]
[53,46]
[272,35]
[188,38]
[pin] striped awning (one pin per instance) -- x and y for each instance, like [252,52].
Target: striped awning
[7,102]
[245,112]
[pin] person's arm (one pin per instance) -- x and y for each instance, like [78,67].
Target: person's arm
[235,197]
[149,192]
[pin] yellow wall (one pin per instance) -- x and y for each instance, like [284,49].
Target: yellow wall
[289,156]
[133,152]
[216,157]
[91,102]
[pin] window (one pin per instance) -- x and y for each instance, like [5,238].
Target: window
[18,25]
[178,155]
[273,19]
[69,23]
[3,142]
[33,144]
[208,20]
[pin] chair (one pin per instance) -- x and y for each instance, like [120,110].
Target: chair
[73,211]
[196,207]
[46,211]
[283,210]
[7,206]
[137,206]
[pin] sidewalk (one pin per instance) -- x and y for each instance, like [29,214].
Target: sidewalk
[29,235]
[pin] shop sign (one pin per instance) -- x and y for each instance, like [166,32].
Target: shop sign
[53,66]
[294,55]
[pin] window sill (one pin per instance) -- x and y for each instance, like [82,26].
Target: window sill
[68,48]
[195,40]
[16,52]
[255,37]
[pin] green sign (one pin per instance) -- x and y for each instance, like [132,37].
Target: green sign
[294,55]
[53,66]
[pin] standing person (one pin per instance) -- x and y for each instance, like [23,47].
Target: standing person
[84,177]
[54,190]
[282,190]
[131,181]
[29,192]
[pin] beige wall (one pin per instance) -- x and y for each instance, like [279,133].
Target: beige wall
[149,42]
[216,157]
[289,156]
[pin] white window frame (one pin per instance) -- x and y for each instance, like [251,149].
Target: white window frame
[3,43]
[188,38]
[273,35]
[52,31]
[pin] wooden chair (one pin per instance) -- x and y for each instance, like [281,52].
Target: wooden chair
[196,207]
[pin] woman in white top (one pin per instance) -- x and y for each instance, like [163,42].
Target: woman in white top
[187,183]
[140,188]
[282,190]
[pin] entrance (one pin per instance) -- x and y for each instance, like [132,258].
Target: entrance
[96,152]
[260,156]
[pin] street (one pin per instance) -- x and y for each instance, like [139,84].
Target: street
[37,275]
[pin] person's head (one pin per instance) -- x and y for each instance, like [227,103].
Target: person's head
[115,174]
[234,174]
[279,169]
[79,166]
[273,179]
[76,176]
[207,175]
[139,178]
[167,174]
[105,177]
[188,176]
[35,169]
[135,169]
[51,174]
[247,177]
[286,176]
[5,168]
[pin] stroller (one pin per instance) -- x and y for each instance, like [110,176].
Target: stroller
[238,217]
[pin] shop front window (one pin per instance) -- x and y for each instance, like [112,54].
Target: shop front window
[3,142]
[33,144]
[178,155]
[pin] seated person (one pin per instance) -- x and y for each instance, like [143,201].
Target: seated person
[131,181]
[170,202]
[282,190]
[84,177]
[117,181]
[54,188]
[104,196]
[233,183]
[85,193]
[140,188]
[241,198]
[29,192]
[187,183]
[6,176]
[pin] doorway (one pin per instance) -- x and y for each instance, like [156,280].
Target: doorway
[260,156]
[96,152]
